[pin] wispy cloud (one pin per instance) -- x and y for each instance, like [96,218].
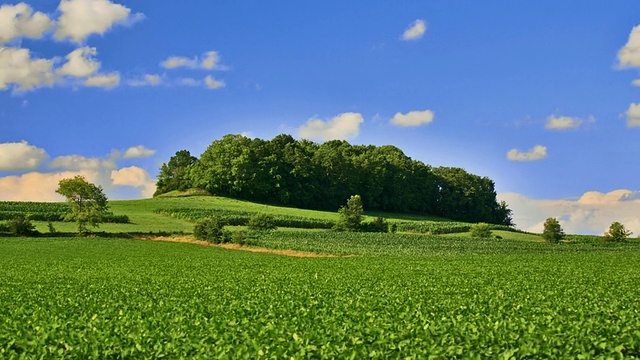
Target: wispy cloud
[555,122]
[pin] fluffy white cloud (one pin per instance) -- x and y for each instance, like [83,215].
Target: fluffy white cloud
[137,152]
[209,61]
[20,156]
[103,80]
[19,20]
[538,152]
[592,213]
[212,83]
[80,63]
[415,31]
[562,122]
[82,18]
[636,82]
[18,69]
[633,115]
[413,118]
[37,186]
[342,127]
[146,80]
[629,55]
[136,177]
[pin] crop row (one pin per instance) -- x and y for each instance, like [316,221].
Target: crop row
[441,227]
[231,217]
[40,211]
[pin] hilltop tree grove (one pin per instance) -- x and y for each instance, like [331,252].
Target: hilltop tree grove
[304,174]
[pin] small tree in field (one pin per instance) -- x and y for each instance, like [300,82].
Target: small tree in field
[481,230]
[552,231]
[617,232]
[350,216]
[87,202]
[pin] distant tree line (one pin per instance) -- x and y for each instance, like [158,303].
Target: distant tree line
[301,173]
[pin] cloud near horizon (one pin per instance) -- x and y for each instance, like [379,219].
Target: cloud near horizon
[538,152]
[40,184]
[345,126]
[590,214]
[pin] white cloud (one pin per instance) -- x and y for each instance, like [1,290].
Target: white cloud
[209,61]
[82,18]
[146,80]
[35,186]
[78,162]
[19,20]
[136,177]
[20,156]
[633,115]
[538,152]
[18,69]
[562,122]
[629,55]
[415,31]
[212,83]
[636,82]
[80,63]
[342,127]
[137,152]
[103,80]
[413,118]
[592,213]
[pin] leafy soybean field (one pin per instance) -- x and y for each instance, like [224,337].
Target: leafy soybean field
[112,298]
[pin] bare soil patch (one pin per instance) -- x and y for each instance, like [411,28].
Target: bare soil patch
[191,240]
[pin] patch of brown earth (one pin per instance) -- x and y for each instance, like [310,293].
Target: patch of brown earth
[190,240]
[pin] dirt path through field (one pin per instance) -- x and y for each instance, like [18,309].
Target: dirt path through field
[190,240]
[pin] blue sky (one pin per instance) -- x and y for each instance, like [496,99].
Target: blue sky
[543,97]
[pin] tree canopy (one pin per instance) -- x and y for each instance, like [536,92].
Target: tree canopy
[87,202]
[301,173]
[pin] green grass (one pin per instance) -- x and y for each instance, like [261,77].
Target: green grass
[113,298]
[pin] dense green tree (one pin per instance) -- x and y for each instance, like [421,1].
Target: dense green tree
[617,232]
[87,202]
[552,231]
[304,174]
[350,216]
[174,175]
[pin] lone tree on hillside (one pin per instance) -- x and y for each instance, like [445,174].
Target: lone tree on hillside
[552,231]
[617,232]
[350,216]
[87,202]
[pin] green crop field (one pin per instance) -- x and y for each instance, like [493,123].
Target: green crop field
[403,295]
